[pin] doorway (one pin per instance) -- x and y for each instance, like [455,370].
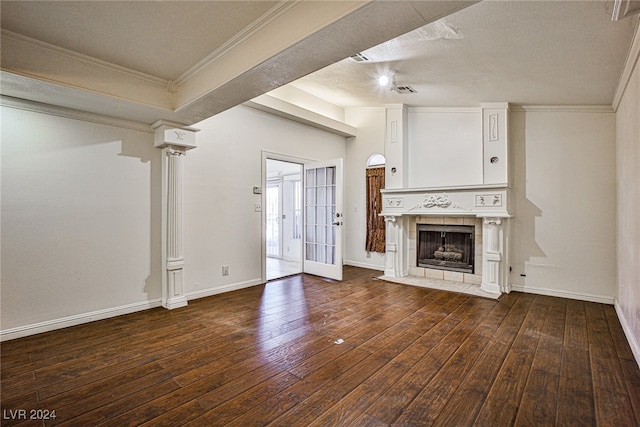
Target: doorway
[283,215]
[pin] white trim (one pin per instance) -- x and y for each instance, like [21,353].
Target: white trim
[563,294]
[78,319]
[363,265]
[222,289]
[69,113]
[444,110]
[147,78]
[562,108]
[287,110]
[252,30]
[272,155]
[635,346]
[630,64]
[444,189]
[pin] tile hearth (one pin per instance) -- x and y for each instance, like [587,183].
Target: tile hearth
[442,285]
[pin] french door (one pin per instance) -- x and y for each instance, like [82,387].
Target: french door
[323,218]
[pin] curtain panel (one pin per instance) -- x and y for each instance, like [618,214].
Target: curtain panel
[376,227]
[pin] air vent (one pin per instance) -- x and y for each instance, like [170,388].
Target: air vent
[405,89]
[360,57]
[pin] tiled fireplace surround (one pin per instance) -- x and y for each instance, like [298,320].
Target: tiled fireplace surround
[453,276]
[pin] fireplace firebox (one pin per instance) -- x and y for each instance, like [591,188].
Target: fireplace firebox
[446,247]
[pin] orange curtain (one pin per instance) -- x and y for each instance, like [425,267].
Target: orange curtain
[376,228]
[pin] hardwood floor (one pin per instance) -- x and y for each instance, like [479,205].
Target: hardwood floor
[306,351]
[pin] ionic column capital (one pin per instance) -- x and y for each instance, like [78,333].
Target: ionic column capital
[492,221]
[174,135]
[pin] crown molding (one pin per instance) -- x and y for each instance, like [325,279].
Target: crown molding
[624,9]
[444,109]
[266,19]
[69,113]
[379,109]
[287,110]
[93,62]
[25,57]
[562,108]
[629,66]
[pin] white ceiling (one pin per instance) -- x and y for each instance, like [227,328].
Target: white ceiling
[187,60]
[161,38]
[523,52]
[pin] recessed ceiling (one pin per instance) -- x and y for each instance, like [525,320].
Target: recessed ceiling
[187,60]
[184,61]
[160,38]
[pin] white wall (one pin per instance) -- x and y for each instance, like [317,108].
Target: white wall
[370,123]
[80,226]
[628,191]
[221,226]
[445,147]
[81,207]
[564,233]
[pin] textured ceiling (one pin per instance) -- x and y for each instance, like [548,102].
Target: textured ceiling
[187,60]
[160,38]
[524,52]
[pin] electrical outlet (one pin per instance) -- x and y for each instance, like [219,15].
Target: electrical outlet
[257,207]
[225,270]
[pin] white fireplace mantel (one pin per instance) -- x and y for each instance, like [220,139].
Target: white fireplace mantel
[490,202]
[472,200]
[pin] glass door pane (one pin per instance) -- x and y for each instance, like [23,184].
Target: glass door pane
[323,206]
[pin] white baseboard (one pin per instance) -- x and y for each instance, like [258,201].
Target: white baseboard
[78,319]
[364,265]
[563,294]
[222,289]
[633,343]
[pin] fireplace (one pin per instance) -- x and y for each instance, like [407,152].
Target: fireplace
[410,213]
[446,247]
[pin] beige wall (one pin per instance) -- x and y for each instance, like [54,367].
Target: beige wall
[628,210]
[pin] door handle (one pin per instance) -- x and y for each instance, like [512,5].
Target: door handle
[337,223]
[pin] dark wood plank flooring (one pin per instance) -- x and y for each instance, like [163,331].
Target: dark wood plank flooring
[306,351]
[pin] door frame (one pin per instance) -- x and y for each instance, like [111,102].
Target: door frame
[278,185]
[270,155]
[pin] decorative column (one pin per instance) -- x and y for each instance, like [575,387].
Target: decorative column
[396,264]
[396,153]
[493,259]
[174,140]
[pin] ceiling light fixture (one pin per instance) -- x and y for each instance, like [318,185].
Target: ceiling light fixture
[388,80]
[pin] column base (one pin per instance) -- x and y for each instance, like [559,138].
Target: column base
[492,288]
[176,302]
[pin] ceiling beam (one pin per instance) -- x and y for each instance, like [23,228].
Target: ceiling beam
[298,38]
